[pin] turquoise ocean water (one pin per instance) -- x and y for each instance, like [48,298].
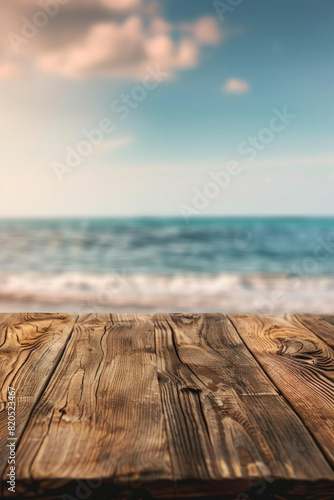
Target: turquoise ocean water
[167,262]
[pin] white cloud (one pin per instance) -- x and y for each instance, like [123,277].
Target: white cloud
[115,38]
[122,50]
[206,30]
[236,86]
[159,25]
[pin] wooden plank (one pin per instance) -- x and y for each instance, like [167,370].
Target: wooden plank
[329,318]
[300,364]
[226,421]
[321,325]
[101,414]
[130,317]
[30,348]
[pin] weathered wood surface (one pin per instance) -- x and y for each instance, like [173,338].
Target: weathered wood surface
[300,364]
[321,325]
[178,405]
[218,398]
[30,347]
[101,414]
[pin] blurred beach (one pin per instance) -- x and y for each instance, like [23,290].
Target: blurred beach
[166,264]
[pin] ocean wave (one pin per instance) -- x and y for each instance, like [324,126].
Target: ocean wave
[260,293]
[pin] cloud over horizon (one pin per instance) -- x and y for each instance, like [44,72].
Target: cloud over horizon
[93,38]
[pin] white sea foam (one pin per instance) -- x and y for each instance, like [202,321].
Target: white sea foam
[151,293]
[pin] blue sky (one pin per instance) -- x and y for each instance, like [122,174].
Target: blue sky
[225,79]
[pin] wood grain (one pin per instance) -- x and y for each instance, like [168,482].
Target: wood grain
[100,416]
[300,364]
[30,347]
[177,406]
[225,419]
[329,318]
[321,325]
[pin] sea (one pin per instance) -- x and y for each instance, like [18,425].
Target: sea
[234,264]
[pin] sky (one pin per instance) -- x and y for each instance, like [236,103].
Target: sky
[175,108]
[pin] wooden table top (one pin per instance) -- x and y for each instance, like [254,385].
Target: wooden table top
[175,405]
